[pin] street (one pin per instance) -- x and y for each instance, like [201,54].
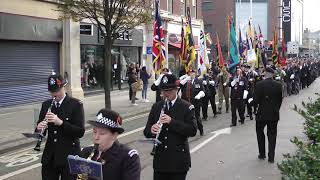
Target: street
[222,153]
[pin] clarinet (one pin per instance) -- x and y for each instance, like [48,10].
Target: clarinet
[156,140]
[41,134]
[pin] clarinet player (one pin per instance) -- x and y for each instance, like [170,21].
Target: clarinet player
[172,156]
[64,125]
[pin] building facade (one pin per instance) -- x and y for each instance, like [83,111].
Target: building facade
[32,45]
[172,12]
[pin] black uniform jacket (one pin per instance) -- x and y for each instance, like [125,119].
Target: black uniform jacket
[63,140]
[238,89]
[120,162]
[268,96]
[173,154]
[189,93]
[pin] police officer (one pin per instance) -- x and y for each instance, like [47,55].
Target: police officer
[65,125]
[209,84]
[238,86]
[223,89]
[192,91]
[268,97]
[250,75]
[172,157]
[119,162]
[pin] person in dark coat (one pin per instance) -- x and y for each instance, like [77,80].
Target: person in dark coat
[155,86]
[144,76]
[268,97]
[209,84]
[64,126]
[172,157]
[119,162]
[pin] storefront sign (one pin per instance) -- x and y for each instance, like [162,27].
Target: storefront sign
[286,19]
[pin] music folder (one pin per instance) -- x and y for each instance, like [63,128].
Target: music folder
[79,165]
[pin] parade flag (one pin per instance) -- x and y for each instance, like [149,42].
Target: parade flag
[183,52]
[219,53]
[263,52]
[208,38]
[251,54]
[275,58]
[241,48]
[203,60]
[190,50]
[283,60]
[234,55]
[158,45]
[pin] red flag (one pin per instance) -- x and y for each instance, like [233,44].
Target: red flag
[220,56]
[283,61]
[158,46]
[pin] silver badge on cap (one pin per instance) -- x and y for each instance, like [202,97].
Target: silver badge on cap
[165,80]
[52,81]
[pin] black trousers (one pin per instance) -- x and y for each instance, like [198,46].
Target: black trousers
[50,172]
[197,114]
[249,108]
[237,104]
[169,176]
[272,136]
[205,102]
[130,92]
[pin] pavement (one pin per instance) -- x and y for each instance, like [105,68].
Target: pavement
[21,119]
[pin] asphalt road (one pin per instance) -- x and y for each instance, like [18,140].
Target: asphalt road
[223,153]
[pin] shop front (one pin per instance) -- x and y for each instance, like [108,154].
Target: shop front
[125,51]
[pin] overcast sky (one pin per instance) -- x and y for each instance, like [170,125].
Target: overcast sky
[311,14]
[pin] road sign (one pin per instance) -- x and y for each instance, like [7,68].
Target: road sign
[149,50]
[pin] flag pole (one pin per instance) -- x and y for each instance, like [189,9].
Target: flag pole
[251,8]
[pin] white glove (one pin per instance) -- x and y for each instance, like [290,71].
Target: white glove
[204,82]
[283,72]
[212,83]
[224,84]
[292,76]
[185,80]
[251,79]
[250,100]
[233,83]
[201,94]
[182,77]
[245,94]
[157,82]
[278,78]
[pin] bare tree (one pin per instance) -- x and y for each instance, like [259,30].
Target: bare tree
[111,18]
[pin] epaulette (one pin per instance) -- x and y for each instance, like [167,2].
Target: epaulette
[133,152]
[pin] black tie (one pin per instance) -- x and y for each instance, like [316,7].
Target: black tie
[57,105]
[170,105]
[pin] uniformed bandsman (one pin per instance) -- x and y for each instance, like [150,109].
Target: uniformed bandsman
[209,84]
[155,85]
[119,162]
[239,92]
[172,157]
[65,125]
[192,91]
[223,89]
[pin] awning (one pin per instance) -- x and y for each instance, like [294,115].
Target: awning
[178,45]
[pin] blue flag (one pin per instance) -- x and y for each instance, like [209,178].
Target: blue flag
[241,48]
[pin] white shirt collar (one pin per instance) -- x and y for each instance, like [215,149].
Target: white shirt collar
[173,101]
[60,102]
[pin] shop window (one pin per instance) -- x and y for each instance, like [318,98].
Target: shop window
[86,29]
[182,8]
[170,3]
[194,8]
[207,5]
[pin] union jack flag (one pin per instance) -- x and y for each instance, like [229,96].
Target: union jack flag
[158,45]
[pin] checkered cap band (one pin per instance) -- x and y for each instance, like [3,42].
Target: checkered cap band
[106,121]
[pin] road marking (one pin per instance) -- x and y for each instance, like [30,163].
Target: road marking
[215,134]
[6,176]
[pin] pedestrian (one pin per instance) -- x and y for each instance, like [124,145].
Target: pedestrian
[144,76]
[223,89]
[119,162]
[172,157]
[192,90]
[239,92]
[64,126]
[130,72]
[268,97]
[155,86]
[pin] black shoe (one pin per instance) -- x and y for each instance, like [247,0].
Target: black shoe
[271,160]
[242,122]
[201,133]
[261,157]
[251,118]
[247,115]
[215,115]
[219,112]
[231,125]
[137,98]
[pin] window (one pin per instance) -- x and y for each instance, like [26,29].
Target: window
[207,6]
[86,29]
[182,8]
[194,8]
[169,3]
[208,28]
